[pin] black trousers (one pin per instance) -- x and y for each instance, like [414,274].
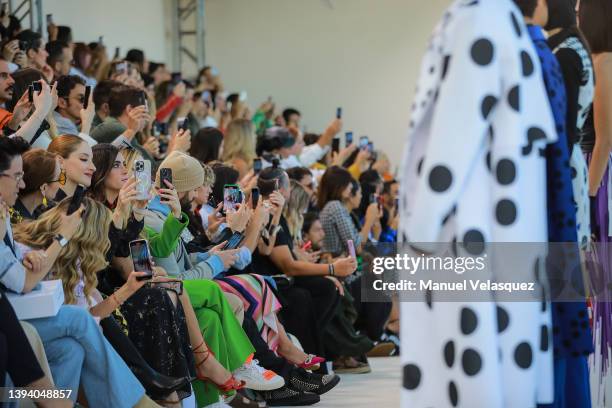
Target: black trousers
[308,307]
[16,355]
[371,317]
[266,357]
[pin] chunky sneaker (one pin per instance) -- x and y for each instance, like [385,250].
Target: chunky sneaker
[290,397]
[258,378]
[311,382]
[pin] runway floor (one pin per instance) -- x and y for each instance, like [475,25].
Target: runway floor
[378,389]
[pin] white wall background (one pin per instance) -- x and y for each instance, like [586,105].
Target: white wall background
[124,23]
[363,55]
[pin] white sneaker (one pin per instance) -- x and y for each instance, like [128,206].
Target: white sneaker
[257,378]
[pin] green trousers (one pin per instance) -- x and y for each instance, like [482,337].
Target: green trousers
[221,331]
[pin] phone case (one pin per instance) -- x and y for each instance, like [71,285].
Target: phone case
[351,248]
[142,173]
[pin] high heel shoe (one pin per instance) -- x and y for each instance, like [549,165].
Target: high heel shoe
[158,386]
[230,385]
[311,362]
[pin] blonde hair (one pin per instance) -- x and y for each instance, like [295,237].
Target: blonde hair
[295,208]
[85,250]
[239,141]
[130,155]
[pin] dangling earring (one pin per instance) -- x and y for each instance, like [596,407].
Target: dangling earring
[44,200]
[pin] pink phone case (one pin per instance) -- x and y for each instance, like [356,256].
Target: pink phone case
[351,248]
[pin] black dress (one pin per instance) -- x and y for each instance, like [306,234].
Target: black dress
[155,326]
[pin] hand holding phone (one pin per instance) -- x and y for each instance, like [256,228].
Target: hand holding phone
[255,197]
[165,174]
[141,258]
[348,136]
[257,165]
[86,97]
[351,248]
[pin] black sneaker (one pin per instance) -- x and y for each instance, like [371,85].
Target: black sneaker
[310,382]
[288,396]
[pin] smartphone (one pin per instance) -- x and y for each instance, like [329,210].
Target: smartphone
[254,197]
[162,128]
[141,258]
[121,68]
[234,241]
[37,86]
[182,123]
[142,100]
[165,174]
[101,40]
[351,248]
[30,93]
[49,18]
[348,138]
[77,199]
[363,142]
[232,196]
[142,173]
[257,165]
[373,199]
[336,144]
[242,97]
[86,97]
[371,147]
[338,113]
[276,185]
[117,52]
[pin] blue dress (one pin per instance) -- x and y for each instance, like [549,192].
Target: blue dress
[571,332]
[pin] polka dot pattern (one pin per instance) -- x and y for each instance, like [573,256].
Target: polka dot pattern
[440,179]
[482,51]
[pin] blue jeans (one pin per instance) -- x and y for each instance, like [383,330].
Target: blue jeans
[78,353]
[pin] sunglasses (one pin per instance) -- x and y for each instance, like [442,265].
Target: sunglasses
[61,178]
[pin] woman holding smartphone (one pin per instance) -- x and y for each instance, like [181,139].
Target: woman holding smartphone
[77,265]
[153,312]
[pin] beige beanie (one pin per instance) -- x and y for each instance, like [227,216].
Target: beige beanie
[187,172]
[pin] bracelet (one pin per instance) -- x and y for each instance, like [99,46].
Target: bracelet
[332,272]
[116,299]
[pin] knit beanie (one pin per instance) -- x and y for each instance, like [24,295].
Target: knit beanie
[187,172]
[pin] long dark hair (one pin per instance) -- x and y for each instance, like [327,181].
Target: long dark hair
[595,18]
[369,181]
[562,14]
[104,156]
[333,183]
[205,145]
[223,175]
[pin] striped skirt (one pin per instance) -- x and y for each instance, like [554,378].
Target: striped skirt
[259,301]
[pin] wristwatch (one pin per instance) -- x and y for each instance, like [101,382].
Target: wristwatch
[61,240]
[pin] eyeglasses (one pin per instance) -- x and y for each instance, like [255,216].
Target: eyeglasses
[17,177]
[61,179]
